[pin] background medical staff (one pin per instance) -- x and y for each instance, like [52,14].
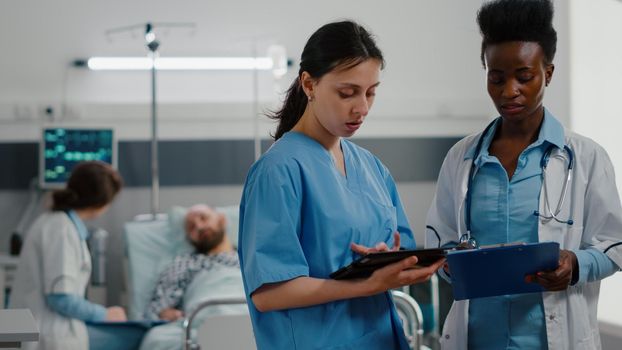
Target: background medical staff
[55,264]
[510,196]
[311,197]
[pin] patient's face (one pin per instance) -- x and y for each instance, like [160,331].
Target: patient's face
[205,229]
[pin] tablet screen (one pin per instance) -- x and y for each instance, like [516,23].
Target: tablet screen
[366,265]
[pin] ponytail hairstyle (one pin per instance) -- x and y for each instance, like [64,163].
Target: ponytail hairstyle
[518,20]
[90,185]
[339,44]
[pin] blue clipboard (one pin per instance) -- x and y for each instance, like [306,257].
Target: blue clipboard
[486,272]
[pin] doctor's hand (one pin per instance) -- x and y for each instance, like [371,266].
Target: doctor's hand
[560,278]
[170,314]
[115,314]
[380,247]
[401,273]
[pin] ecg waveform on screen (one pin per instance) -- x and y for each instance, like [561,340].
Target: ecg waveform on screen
[64,148]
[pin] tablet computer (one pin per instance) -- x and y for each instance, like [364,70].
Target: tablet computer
[366,265]
[144,324]
[126,335]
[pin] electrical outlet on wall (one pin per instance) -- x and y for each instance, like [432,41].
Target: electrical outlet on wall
[23,111]
[56,112]
[49,111]
[7,111]
[71,112]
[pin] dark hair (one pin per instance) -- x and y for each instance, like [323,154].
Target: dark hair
[518,20]
[339,44]
[90,185]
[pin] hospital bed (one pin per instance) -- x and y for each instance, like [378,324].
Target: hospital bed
[151,244]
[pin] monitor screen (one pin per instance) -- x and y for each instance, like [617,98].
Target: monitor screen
[62,148]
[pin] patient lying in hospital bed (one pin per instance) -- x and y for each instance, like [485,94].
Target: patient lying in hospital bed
[169,279]
[203,266]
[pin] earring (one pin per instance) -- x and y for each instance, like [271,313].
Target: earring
[310,98]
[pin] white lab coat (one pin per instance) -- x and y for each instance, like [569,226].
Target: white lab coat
[53,260]
[592,202]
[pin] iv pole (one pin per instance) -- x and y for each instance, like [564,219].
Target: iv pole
[280,64]
[152,45]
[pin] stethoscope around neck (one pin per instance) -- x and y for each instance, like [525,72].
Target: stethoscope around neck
[549,213]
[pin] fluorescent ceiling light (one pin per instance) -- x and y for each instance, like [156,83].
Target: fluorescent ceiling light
[181,63]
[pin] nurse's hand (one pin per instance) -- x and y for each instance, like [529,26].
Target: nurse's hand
[446,269]
[380,247]
[170,314]
[115,314]
[560,278]
[402,273]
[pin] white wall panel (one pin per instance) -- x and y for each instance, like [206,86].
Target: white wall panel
[596,54]
[431,48]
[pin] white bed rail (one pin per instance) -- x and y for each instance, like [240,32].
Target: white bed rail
[411,315]
[189,343]
[406,306]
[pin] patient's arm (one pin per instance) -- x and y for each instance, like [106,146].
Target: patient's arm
[170,288]
[171,314]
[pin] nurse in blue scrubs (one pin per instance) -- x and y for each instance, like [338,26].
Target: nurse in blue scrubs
[315,201]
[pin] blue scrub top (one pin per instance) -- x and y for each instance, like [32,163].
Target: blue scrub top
[298,216]
[502,212]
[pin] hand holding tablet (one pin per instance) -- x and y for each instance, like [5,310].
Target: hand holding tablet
[366,265]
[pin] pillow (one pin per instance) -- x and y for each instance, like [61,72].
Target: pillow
[147,246]
[232,213]
[177,235]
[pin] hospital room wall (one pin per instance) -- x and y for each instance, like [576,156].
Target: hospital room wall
[433,83]
[595,105]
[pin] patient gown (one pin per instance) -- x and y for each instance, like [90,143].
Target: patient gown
[298,216]
[221,282]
